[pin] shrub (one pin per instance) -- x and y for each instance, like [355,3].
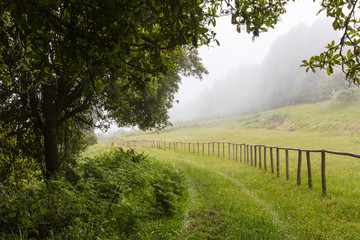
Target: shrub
[346,95]
[105,197]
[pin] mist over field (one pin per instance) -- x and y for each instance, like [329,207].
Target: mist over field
[277,82]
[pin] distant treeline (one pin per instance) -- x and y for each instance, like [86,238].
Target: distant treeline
[277,82]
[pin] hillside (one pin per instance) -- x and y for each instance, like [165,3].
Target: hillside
[334,124]
[230,199]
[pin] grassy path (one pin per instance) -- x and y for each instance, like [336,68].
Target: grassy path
[229,200]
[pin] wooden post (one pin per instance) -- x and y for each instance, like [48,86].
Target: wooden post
[247,153]
[240,146]
[203,148]
[189,148]
[299,169]
[255,155]
[194,150]
[236,152]
[323,177]
[229,149]
[208,149]
[259,156]
[251,154]
[233,150]
[213,147]
[309,169]
[218,149]
[277,163]
[287,163]
[271,159]
[223,149]
[265,158]
[198,148]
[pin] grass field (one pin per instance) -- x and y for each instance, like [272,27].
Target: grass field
[232,200]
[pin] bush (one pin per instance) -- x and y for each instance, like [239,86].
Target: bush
[109,196]
[347,95]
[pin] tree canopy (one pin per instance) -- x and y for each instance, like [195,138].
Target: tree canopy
[64,64]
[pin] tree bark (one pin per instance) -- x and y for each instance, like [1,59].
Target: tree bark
[52,162]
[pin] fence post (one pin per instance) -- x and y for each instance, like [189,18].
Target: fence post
[251,154]
[299,169]
[271,159]
[265,158]
[255,155]
[240,146]
[323,177]
[233,149]
[218,149]
[277,163]
[229,148]
[223,149]
[287,163]
[259,156]
[247,153]
[213,147]
[198,148]
[309,169]
[236,152]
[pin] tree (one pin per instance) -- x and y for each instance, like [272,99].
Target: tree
[346,52]
[64,62]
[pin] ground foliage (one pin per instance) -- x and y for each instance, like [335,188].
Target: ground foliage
[106,197]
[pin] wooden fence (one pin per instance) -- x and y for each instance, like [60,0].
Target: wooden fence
[254,155]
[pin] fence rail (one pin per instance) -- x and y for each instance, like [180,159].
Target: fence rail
[251,154]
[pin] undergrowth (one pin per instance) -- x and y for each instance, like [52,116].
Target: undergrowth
[117,195]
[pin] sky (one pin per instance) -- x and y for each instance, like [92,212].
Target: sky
[238,48]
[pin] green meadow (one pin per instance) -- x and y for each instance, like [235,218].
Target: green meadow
[229,199]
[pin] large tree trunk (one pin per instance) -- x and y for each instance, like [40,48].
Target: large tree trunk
[52,162]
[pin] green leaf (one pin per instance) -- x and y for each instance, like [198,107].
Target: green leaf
[99,86]
[349,54]
[33,206]
[329,70]
[86,89]
[42,210]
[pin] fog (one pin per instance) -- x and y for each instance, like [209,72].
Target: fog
[274,81]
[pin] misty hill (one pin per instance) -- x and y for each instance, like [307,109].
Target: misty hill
[277,82]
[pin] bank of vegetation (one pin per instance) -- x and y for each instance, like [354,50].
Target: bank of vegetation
[116,195]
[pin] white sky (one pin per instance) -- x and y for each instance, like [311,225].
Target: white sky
[236,49]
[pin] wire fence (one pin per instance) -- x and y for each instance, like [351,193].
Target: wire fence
[261,156]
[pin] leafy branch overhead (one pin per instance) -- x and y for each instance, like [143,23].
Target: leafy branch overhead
[346,52]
